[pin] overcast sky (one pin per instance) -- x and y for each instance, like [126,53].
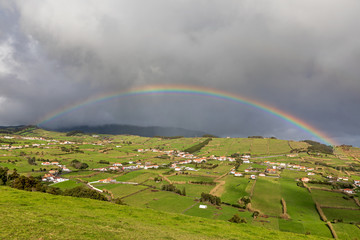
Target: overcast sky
[300,56]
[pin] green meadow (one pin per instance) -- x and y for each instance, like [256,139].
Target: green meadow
[31,216]
[147,196]
[234,189]
[267,196]
[301,209]
[332,199]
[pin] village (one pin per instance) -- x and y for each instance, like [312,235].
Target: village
[155,173]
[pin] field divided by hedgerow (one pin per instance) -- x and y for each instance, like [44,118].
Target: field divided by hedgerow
[344,215]
[266,197]
[347,231]
[332,199]
[301,208]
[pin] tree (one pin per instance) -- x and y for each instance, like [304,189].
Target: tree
[246,199]
[118,201]
[237,219]
[255,214]
[79,165]
[3,175]
[183,192]
[14,175]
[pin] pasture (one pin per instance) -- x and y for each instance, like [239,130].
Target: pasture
[301,209]
[263,201]
[234,189]
[332,199]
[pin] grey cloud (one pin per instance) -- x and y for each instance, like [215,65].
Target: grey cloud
[301,57]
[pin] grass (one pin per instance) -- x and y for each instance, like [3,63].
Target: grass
[234,189]
[302,211]
[101,175]
[260,147]
[346,215]
[27,215]
[278,146]
[119,190]
[160,200]
[347,231]
[134,176]
[67,184]
[332,199]
[187,178]
[215,212]
[267,194]
[265,202]
[195,190]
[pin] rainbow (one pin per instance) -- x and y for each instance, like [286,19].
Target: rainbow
[192,90]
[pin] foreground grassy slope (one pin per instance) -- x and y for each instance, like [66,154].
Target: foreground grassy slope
[26,215]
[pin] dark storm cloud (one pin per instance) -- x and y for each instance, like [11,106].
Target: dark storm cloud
[299,56]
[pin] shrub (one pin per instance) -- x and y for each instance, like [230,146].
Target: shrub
[237,219]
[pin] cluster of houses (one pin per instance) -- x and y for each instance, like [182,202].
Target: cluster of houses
[49,177]
[52,175]
[239,174]
[244,158]
[278,165]
[345,190]
[119,166]
[339,179]
[222,158]
[63,167]
[12,147]
[107,180]
[188,161]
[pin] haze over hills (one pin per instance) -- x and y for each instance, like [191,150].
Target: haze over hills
[149,131]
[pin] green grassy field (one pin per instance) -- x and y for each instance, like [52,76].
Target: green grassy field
[195,190]
[160,200]
[347,231]
[279,146]
[222,212]
[136,176]
[67,184]
[265,202]
[347,216]
[301,209]
[304,218]
[32,216]
[187,178]
[332,199]
[234,189]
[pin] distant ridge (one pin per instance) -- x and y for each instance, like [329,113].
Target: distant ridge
[150,131]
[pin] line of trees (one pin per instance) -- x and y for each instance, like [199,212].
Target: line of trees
[206,197]
[32,160]
[172,188]
[203,182]
[78,165]
[319,147]
[237,219]
[198,146]
[206,165]
[31,183]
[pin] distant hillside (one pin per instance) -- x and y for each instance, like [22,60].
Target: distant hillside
[134,130]
[15,129]
[33,215]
